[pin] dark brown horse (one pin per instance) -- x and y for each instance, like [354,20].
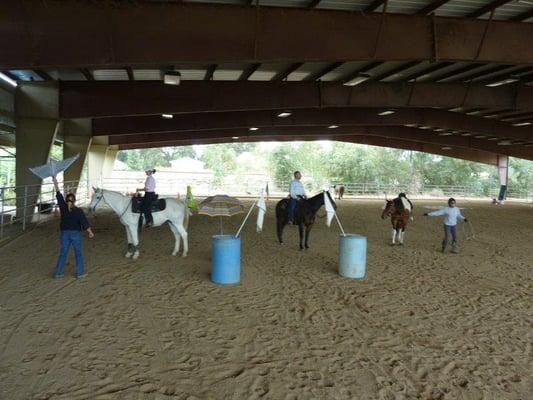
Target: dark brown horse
[339,191]
[399,214]
[304,215]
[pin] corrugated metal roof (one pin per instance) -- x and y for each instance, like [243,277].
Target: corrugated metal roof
[110,75]
[147,74]
[454,8]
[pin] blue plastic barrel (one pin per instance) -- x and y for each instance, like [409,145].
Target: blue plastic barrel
[226,259]
[352,256]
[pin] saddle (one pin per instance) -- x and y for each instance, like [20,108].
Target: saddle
[157,205]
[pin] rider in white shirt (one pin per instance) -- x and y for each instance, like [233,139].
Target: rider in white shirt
[296,191]
[149,196]
[451,214]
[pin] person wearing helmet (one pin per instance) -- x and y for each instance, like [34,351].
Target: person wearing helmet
[149,196]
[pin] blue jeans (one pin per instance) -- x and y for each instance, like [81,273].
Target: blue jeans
[69,238]
[449,230]
[292,208]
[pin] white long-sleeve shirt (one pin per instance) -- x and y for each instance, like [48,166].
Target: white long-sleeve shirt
[296,189]
[149,184]
[450,215]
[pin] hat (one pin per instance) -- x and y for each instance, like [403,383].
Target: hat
[151,169]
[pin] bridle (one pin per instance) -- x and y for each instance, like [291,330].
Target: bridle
[102,197]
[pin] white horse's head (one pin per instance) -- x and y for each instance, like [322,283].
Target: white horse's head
[97,198]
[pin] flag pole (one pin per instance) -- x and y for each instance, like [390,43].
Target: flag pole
[340,226]
[246,218]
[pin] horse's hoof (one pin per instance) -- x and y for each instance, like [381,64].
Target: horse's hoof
[184,255]
[127,255]
[400,244]
[392,244]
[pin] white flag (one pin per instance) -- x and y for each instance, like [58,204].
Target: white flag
[261,205]
[330,211]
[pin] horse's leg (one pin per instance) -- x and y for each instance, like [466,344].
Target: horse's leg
[135,240]
[307,232]
[393,242]
[177,237]
[301,232]
[129,253]
[280,226]
[184,235]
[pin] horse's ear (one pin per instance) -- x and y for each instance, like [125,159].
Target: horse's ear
[94,189]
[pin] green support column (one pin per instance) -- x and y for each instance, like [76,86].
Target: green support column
[37,124]
[503,175]
[76,140]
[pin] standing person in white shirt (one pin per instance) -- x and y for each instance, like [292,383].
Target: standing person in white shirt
[296,191]
[149,196]
[451,214]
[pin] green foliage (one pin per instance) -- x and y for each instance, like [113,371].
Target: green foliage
[140,159]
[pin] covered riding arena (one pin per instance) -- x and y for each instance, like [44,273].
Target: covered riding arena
[451,78]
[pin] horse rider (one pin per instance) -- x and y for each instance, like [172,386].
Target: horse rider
[296,192]
[404,196]
[149,196]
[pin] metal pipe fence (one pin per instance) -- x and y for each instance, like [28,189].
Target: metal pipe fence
[37,202]
[22,206]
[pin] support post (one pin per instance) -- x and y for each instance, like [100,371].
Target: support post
[37,119]
[76,140]
[503,175]
[2,216]
[24,210]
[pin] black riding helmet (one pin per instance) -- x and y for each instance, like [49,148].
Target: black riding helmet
[402,195]
[450,200]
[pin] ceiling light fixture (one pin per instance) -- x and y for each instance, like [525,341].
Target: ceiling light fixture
[445,134]
[466,134]
[387,112]
[480,136]
[505,142]
[333,126]
[522,124]
[284,114]
[7,79]
[172,78]
[253,128]
[446,148]
[235,137]
[504,82]
[167,116]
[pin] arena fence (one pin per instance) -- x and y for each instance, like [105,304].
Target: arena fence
[32,208]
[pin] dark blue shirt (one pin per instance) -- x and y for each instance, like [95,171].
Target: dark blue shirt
[73,220]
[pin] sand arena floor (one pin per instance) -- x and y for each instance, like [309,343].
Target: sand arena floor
[422,325]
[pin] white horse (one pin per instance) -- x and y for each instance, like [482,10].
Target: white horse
[176,213]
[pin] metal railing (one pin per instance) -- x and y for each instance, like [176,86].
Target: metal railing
[21,206]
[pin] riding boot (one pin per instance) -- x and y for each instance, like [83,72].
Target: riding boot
[443,247]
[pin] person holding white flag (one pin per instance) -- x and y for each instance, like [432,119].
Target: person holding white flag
[261,205]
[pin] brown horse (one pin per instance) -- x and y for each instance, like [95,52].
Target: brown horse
[304,215]
[399,212]
[339,191]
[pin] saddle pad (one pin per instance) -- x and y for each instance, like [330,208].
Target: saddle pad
[158,205]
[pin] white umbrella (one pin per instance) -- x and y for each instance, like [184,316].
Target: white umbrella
[53,167]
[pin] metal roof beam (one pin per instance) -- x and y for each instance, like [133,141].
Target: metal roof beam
[236,34]
[81,99]
[431,7]
[295,133]
[129,71]
[326,70]
[487,8]
[249,71]
[523,16]
[345,116]
[280,76]
[374,5]
[210,72]
[313,3]
[87,74]
[464,154]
